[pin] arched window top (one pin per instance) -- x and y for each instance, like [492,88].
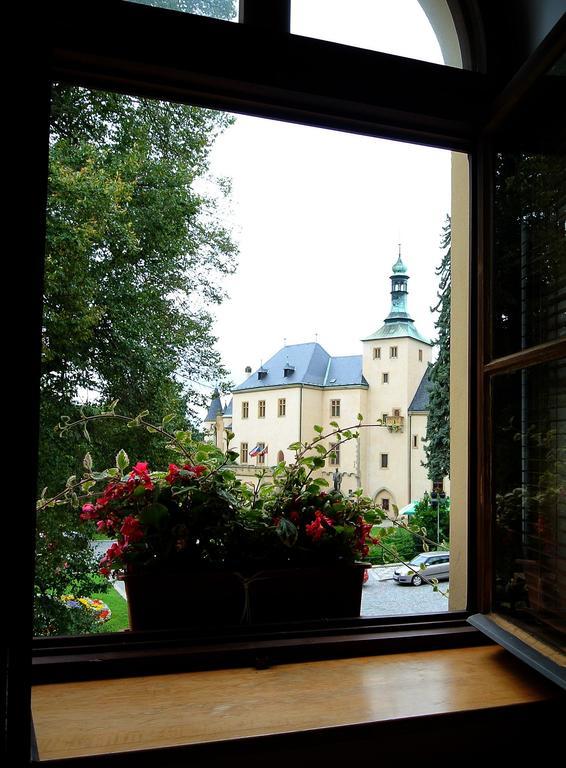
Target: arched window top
[415,29]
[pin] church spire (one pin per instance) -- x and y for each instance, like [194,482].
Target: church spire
[399,292]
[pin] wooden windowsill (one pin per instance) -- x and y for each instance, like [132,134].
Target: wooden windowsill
[125,715]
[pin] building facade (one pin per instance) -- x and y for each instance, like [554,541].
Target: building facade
[302,385]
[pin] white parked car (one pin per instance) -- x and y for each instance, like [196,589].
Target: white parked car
[427,565]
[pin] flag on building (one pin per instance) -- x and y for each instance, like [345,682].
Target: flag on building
[258,450]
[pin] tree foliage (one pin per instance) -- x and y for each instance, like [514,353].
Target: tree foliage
[432,519]
[135,256]
[437,440]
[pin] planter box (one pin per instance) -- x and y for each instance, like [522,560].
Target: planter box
[161,600]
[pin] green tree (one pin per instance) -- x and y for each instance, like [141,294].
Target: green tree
[135,255]
[431,519]
[437,440]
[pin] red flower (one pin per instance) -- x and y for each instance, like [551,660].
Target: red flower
[173,474]
[131,529]
[141,472]
[319,525]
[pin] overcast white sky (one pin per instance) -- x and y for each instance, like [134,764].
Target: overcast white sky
[318,214]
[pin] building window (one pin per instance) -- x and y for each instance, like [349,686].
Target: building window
[334,456]
[261,409]
[385,504]
[377,353]
[386,378]
[415,441]
[281,406]
[384,460]
[260,458]
[245,409]
[243,453]
[397,412]
[420,355]
[335,407]
[384,417]
[392,351]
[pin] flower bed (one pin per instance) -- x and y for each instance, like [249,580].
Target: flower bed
[101,611]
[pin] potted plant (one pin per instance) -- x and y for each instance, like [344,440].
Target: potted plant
[198,547]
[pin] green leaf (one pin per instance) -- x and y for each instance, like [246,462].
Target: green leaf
[334,424]
[318,428]
[360,417]
[87,462]
[122,460]
[154,514]
[151,429]
[295,447]
[166,419]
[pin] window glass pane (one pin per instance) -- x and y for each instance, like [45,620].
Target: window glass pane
[529,272]
[217,9]
[158,293]
[529,277]
[401,28]
[529,476]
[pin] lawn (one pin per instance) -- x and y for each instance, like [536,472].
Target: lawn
[119,608]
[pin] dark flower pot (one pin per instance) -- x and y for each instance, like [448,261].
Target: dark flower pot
[212,599]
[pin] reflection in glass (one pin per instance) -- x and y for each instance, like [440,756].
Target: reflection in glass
[529,478]
[217,9]
[529,277]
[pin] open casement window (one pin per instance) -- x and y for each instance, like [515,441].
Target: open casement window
[256,67]
[523,374]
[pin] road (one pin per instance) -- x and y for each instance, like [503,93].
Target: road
[381,596]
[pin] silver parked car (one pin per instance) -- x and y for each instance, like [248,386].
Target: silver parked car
[429,565]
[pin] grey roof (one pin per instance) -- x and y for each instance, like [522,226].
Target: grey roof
[398,330]
[228,409]
[312,365]
[214,408]
[420,401]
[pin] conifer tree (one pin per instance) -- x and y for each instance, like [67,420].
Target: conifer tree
[437,441]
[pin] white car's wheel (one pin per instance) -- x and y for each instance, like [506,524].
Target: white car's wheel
[416,580]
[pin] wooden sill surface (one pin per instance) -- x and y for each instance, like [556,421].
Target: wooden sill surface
[121,715]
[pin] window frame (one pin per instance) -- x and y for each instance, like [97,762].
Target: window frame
[385,377]
[281,406]
[215,72]
[334,455]
[245,409]
[384,461]
[243,452]
[335,406]
[261,409]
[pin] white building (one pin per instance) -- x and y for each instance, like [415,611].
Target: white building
[302,385]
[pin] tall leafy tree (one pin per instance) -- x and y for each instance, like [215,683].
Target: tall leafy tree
[136,252]
[437,441]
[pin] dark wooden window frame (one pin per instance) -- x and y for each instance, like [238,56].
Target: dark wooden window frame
[309,81]
[500,129]
[93,45]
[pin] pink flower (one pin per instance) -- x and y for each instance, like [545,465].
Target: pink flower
[88,512]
